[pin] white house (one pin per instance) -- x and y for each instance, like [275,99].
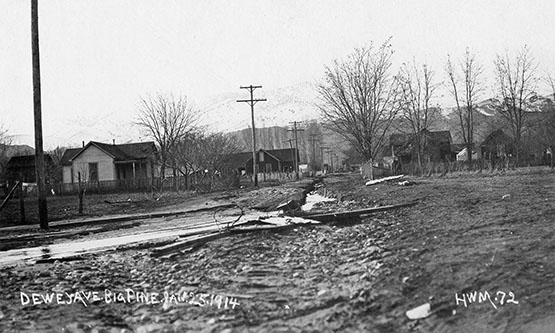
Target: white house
[100,162]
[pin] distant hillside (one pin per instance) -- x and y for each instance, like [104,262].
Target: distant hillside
[7,151]
[16,150]
[283,105]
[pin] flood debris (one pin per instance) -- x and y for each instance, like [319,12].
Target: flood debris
[313,199]
[333,216]
[420,312]
[245,224]
[385,179]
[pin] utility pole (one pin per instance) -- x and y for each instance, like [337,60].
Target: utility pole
[39,152]
[291,146]
[295,130]
[252,102]
[322,149]
[313,140]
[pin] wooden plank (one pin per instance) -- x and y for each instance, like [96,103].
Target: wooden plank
[188,242]
[381,180]
[8,197]
[327,217]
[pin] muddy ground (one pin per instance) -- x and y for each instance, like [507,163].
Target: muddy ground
[469,234]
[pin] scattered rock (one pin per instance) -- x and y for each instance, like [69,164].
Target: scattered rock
[420,312]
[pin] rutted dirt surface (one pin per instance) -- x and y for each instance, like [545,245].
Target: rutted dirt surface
[468,233]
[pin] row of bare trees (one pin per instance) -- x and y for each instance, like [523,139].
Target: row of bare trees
[184,146]
[361,97]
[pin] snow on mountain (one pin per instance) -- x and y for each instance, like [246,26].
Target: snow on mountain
[283,105]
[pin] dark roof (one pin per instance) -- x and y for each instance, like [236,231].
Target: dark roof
[238,159]
[398,139]
[123,152]
[497,137]
[26,161]
[283,155]
[68,155]
[440,136]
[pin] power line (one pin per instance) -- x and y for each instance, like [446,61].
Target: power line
[252,102]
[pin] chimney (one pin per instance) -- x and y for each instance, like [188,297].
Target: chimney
[114,142]
[83,143]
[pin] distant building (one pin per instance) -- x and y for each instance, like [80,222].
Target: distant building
[102,162]
[497,145]
[437,146]
[23,168]
[238,161]
[275,160]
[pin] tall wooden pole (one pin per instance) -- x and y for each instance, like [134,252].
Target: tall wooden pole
[39,152]
[295,130]
[252,102]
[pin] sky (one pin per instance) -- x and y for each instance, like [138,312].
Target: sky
[98,58]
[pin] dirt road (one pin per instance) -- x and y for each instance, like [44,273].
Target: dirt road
[478,247]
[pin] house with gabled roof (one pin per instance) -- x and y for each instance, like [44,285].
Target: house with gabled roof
[437,146]
[497,145]
[23,168]
[99,162]
[274,160]
[268,160]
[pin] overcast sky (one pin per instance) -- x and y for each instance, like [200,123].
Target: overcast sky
[98,57]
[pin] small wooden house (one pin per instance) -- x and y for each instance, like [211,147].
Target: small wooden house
[23,168]
[497,145]
[437,146]
[101,162]
[275,160]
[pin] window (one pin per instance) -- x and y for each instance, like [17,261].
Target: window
[93,172]
[261,156]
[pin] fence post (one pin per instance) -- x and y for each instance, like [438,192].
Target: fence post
[21,202]
[80,193]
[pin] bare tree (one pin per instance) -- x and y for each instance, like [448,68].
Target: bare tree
[204,152]
[466,87]
[517,84]
[550,80]
[417,88]
[546,128]
[57,172]
[5,141]
[359,98]
[167,119]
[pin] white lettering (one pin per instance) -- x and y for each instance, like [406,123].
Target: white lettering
[24,298]
[457,299]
